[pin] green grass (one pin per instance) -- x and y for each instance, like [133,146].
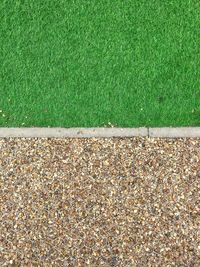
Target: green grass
[93,62]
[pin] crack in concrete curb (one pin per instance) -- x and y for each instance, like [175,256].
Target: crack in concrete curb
[148,132]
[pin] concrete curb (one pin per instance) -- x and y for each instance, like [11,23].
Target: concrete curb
[100,132]
[73,132]
[175,132]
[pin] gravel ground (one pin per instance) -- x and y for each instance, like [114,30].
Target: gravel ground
[100,202]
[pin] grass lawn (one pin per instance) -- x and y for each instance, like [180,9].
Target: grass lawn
[92,62]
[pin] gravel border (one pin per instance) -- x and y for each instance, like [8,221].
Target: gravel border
[100,132]
[99,202]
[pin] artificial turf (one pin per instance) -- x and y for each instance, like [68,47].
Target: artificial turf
[98,62]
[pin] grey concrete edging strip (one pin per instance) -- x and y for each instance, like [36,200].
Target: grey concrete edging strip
[99,132]
[175,132]
[72,132]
